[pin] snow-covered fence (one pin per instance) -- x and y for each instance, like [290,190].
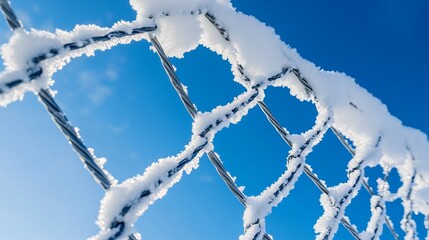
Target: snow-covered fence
[360,121]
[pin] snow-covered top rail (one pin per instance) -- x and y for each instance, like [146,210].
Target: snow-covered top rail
[259,60]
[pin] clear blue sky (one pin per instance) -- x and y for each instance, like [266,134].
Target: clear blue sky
[128,112]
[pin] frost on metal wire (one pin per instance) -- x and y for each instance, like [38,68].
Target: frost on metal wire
[259,60]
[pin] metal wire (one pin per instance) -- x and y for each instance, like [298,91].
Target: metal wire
[282,132]
[407,223]
[57,114]
[69,132]
[351,150]
[34,71]
[118,224]
[307,170]
[214,159]
[54,109]
[9,15]
[212,156]
[293,175]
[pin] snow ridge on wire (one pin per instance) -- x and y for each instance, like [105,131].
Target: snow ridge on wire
[144,190]
[101,175]
[383,190]
[351,112]
[35,71]
[213,156]
[217,163]
[260,206]
[284,134]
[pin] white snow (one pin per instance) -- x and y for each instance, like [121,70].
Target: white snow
[379,138]
[24,45]
[156,178]
[257,208]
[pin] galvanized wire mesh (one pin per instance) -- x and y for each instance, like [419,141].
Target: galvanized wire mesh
[102,177]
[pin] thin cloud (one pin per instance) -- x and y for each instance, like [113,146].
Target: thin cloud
[100,94]
[91,83]
[206,178]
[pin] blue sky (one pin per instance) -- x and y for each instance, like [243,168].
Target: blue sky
[128,112]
